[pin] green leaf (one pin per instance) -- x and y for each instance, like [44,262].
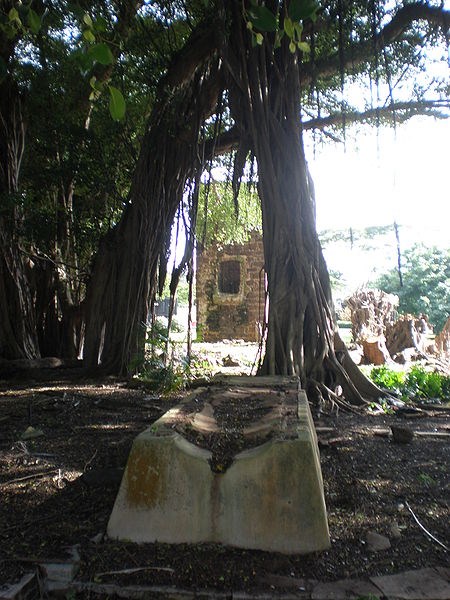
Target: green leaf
[88,35]
[302,9]
[100,24]
[292,47]
[116,104]
[288,27]
[299,29]
[13,15]
[259,39]
[101,53]
[262,18]
[95,84]
[34,21]
[303,46]
[87,20]
[94,95]
[83,60]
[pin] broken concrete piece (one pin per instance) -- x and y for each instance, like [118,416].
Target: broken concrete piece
[270,498]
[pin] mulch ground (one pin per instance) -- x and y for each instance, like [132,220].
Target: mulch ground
[57,490]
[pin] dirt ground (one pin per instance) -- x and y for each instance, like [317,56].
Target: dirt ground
[58,488]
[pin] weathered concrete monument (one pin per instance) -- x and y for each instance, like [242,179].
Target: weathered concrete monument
[236,464]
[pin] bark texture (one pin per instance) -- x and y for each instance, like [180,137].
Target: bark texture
[265,101]
[124,277]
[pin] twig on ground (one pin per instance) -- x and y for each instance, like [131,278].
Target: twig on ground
[135,570]
[90,460]
[430,535]
[28,477]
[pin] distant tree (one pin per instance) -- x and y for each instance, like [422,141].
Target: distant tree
[426,283]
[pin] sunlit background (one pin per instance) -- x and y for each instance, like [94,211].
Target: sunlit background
[379,177]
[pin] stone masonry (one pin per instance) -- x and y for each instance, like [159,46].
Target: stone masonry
[230,291]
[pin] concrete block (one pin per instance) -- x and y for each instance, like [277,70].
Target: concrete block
[270,498]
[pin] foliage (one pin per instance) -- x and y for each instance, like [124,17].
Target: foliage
[418,382]
[73,66]
[217,218]
[426,283]
[261,20]
[387,378]
[421,383]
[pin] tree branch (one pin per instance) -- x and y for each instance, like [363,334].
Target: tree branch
[229,140]
[390,33]
[402,111]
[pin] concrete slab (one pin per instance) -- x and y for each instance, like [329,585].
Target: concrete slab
[268,496]
[345,589]
[424,584]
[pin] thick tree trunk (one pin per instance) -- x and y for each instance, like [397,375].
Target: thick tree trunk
[265,99]
[124,278]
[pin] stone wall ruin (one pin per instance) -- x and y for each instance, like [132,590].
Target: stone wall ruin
[230,291]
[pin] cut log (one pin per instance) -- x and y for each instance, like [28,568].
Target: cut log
[375,351]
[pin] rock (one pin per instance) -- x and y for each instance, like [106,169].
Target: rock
[228,361]
[396,534]
[376,542]
[401,435]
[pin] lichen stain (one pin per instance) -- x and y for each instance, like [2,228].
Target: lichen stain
[145,477]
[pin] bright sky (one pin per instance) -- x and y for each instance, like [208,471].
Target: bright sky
[401,175]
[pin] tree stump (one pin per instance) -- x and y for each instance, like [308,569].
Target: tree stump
[375,351]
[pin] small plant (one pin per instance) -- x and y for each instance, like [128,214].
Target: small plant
[418,382]
[383,405]
[387,378]
[423,384]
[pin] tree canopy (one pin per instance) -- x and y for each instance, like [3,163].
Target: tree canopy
[425,283]
[110,113]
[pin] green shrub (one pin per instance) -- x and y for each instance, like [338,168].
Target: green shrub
[387,378]
[423,384]
[418,382]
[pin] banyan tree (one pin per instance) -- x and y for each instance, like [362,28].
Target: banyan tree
[249,79]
